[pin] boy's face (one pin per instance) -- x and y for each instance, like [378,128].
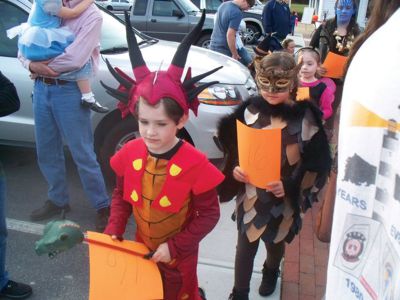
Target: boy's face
[157,129]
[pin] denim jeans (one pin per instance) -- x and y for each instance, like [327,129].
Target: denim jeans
[60,116]
[3,231]
[245,57]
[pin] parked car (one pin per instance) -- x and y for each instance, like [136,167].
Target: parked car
[252,17]
[170,19]
[110,131]
[115,4]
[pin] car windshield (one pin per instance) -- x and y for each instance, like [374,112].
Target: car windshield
[189,6]
[113,36]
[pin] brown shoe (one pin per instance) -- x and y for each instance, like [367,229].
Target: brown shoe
[102,218]
[48,210]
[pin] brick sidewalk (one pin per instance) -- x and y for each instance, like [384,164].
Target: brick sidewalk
[305,264]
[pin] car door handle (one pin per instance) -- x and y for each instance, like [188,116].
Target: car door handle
[153,20]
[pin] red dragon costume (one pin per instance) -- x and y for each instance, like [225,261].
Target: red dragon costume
[173,195]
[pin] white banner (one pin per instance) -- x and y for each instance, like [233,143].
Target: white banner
[364,259]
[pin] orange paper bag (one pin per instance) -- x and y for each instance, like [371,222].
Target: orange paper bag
[303,93]
[334,65]
[117,273]
[259,153]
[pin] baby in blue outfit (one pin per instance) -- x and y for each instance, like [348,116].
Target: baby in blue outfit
[41,38]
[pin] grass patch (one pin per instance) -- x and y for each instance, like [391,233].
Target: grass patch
[298,7]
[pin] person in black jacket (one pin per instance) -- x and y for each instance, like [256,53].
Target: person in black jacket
[273,214]
[9,103]
[276,19]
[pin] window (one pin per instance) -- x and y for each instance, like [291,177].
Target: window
[213,4]
[140,8]
[10,16]
[164,8]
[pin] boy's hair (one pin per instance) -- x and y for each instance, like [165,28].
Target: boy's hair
[286,43]
[251,2]
[317,56]
[173,110]
[282,62]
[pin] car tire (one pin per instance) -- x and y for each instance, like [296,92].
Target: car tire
[204,41]
[116,136]
[252,33]
[110,7]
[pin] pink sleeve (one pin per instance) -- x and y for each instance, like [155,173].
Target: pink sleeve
[77,54]
[325,103]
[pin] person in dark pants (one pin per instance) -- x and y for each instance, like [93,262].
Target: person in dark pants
[276,19]
[9,103]
[273,214]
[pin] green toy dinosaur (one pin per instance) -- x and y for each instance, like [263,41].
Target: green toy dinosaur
[59,236]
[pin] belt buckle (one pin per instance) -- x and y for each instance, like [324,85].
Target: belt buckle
[46,80]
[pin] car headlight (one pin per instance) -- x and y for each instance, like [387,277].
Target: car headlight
[219,94]
[251,86]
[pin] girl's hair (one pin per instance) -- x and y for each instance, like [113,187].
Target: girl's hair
[317,56]
[173,110]
[280,61]
[381,11]
[286,43]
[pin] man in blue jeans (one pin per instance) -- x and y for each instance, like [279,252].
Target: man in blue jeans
[60,116]
[9,103]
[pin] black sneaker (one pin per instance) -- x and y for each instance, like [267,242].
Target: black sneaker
[16,290]
[48,210]
[102,218]
[268,283]
[95,106]
[239,295]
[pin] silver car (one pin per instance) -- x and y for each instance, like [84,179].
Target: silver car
[115,4]
[110,131]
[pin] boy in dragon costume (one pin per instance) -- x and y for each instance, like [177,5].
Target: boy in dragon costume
[168,185]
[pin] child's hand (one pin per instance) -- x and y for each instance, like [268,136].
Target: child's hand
[276,188]
[240,175]
[117,238]
[162,254]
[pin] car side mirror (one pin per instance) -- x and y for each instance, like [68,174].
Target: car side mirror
[177,13]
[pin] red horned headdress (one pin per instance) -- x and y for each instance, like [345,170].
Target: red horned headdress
[153,86]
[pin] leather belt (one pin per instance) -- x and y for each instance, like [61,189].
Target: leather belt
[52,81]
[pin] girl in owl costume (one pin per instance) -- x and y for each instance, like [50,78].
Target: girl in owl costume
[273,215]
